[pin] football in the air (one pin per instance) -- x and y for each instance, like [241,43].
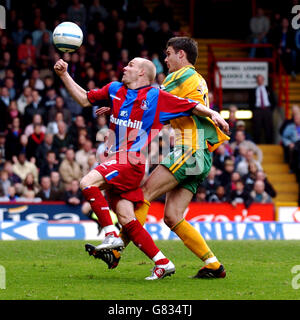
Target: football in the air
[67,37]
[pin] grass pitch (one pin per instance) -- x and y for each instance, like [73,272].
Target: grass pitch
[56,270]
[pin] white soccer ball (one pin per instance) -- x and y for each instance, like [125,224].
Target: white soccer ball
[67,37]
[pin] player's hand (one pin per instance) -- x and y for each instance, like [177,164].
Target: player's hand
[60,67]
[101,111]
[220,122]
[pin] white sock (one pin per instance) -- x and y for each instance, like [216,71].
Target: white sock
[211,260]
[110,228]
[158,256]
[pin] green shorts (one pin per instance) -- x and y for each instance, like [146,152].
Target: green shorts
[190,167]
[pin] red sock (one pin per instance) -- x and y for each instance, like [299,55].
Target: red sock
[99,205]
[141,238]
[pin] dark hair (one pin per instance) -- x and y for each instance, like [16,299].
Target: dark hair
[188,45]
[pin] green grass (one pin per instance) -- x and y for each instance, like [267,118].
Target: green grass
[63,270]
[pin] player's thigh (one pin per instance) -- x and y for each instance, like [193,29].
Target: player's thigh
[93,178]
[160,181]
[177,201]
[125,211]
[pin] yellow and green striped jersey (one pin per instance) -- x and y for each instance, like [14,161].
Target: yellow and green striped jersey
[188,83]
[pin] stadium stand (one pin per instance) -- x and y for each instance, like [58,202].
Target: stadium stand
[28,86]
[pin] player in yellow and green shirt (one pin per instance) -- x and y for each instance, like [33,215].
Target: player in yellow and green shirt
[181,172]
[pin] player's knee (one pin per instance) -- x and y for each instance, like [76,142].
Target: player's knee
[84,183]
[169,221]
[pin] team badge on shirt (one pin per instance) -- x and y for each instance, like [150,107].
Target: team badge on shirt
[145,105]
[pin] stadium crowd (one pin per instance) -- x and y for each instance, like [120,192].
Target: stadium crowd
[275,27]
[48,142]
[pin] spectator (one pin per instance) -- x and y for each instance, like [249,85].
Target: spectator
[259,194]
[241,126]
[200,195]
[22,167]
[262,101]
[24,99]
[47,193]
[294,110]
[77,13]
[69,169]
[36,120]
[82,156]
[74,195]
[5,183]
[38,33]
[4,97]
[163,12]
[12,194]
[29,183]
[9,83]
[27,50]
[97,12]
[162,37]
[219,158]
[75,129]
[259,26]
[92,162]
[284,41]
[49,99]
[291,141]
[219,196]
[35,107]
[13,178]
[3,110]
[3,155]
[20,33]
[250,178]
[231,186]
[35,82]
[211,182]
[240,140]
[61,141]
[45,53]
[51,164]
[261,176]
[57,184]
[60,107]
[13,145]
[44,148]
[240,195]
[12,112]
[242,167]
[34,140]
[53,125]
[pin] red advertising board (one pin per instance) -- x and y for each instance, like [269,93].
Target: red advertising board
[220,212]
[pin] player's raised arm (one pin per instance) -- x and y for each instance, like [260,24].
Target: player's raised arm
[202,111]
[77,92]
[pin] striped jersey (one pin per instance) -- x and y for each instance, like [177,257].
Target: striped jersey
[188,83]
[137,115]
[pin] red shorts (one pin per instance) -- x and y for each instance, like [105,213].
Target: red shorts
[124,178]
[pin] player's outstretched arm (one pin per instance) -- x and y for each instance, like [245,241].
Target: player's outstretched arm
[77,92]
[203,111]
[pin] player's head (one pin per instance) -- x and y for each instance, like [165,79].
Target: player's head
[180,52]
[139,71]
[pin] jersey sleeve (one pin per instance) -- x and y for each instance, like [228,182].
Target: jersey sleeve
[98,94]
[171,107]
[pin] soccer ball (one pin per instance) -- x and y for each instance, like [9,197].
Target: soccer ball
[67,37]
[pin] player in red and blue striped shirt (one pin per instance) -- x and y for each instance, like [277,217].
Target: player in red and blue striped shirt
[138,110]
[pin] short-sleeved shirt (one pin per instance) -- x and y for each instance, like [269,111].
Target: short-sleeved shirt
[137,115]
